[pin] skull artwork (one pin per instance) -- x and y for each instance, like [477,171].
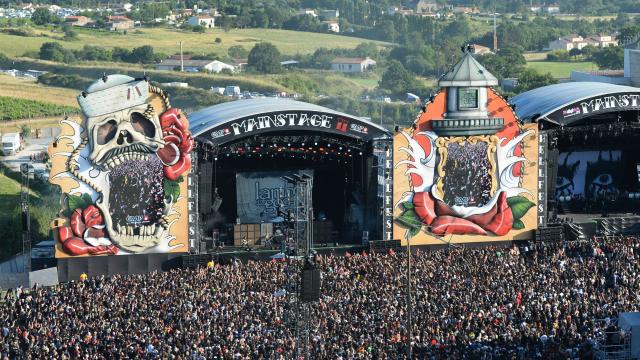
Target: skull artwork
[134,145]
[124,135]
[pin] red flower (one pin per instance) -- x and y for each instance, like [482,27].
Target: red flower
[87,234]
[178,144]
[443,220]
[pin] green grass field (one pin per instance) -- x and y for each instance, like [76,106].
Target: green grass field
[561,70]
[24,88]
[14,108]
[166,40]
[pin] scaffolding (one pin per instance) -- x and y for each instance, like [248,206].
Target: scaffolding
[301,227]
[611,342]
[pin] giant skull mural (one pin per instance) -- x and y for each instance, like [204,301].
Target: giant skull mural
[122,170]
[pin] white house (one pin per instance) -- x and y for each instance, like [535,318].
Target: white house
[203,20]
[347,65]
[568,42]
[214,66]
[332,26]
[578,42]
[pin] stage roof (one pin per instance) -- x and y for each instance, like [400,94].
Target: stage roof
[568,102]
[248,117]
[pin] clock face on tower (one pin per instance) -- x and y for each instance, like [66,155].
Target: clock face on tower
[467,98]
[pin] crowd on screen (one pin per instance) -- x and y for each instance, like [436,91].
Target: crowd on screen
[467,181]
[137,189]
[523,303]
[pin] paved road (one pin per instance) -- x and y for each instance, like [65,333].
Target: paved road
[32,146]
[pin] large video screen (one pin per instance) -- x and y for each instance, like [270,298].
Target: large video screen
[459,183]
[124,169]
[261,194]
[589,175]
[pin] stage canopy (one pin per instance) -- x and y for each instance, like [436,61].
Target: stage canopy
[228,122]
[567,103]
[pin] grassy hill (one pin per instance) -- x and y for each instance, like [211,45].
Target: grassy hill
[24,88]
[166,40]
[561,70]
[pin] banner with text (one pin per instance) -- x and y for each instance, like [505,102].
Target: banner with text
[260,194]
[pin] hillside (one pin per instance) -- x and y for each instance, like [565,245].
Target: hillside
[166,40]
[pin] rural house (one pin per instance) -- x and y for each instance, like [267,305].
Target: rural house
[203,20]
[214,66]
[115,23]
[347,65]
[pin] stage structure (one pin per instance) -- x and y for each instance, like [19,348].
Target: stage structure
[246,147]
[589,155]
[124,170]
[466,171]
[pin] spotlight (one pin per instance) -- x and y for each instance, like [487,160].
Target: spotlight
[360,152]
[315,143]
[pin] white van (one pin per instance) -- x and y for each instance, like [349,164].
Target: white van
[11,143]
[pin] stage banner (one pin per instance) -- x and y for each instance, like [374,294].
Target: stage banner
[462,188]
[123,167]
[260,194]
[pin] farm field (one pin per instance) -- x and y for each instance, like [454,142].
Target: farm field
[561,70]
[166,40]
[23,88]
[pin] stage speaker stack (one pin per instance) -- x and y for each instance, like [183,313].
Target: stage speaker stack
[310,289]
[550,233]
[322,232]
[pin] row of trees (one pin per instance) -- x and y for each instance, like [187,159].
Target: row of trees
[54,51]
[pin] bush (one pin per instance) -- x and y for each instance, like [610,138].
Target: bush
[52,51]
[558,55]
[198,29]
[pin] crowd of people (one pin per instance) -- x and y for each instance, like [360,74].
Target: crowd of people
[543,301]
[137,192]
[467,180]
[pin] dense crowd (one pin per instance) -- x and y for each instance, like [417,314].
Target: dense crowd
[137,192]
[467,180]
[528,302]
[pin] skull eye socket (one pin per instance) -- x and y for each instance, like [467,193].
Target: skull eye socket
[106,132]
[142,125]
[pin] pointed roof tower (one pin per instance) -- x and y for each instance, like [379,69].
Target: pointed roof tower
[468,72]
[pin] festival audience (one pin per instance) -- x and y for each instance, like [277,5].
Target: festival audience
[501,303]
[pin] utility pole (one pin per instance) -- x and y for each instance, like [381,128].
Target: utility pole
[26,216]
[181,59]
[495,33]
[409,305]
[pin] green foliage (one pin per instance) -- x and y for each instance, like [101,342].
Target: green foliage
[42,16]
[77,202]
[509,62]
[68,81]
[265,58]
[70,34]
[198,29]
[52,51]
[559,55]
[25,130]
[531,79]
[299,83]
[238,52]
[397,80]
[611,58]
[143,55]
[519,206]
[12,108]
[172,188]
[410,220]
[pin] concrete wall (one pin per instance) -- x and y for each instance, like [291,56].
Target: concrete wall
[584,76]
[46,277]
